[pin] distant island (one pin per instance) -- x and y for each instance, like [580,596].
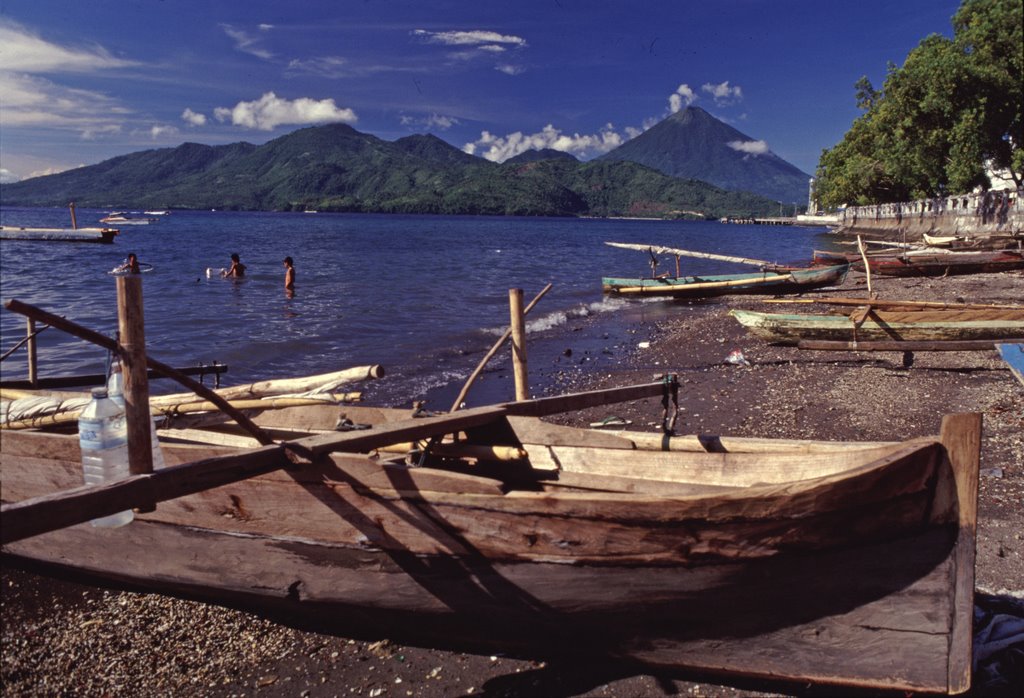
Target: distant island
[337,168]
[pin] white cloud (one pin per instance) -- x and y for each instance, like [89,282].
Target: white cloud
[682,97]
[326,66]
[479,37]
[7,177]
[501,148]
[723,93]
[26,52]
[245,42]
[266,27]
[509,69]
[439,122]
[35,101]
[270,111]
[159,130]
[193,118]
[751,147]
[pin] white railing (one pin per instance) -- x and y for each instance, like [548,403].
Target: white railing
[994,207]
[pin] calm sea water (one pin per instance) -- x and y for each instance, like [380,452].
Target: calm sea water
[424,296]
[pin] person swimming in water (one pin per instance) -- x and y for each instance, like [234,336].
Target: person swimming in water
[289,274]
[130,266]
[237,269]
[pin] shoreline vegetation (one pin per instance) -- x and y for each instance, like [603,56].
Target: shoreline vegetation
[59,637]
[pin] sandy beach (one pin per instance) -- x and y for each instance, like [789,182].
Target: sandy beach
[62,638]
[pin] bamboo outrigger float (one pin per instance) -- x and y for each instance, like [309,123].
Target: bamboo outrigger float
[845,564]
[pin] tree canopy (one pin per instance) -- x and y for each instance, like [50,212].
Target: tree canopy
[949,112]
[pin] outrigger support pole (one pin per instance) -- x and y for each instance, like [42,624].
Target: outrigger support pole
[163,369]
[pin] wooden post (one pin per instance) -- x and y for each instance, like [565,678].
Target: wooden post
[678,267]
[74,221]
[131,327]
[867,266]
[515,303]
[491,352]
[30,334]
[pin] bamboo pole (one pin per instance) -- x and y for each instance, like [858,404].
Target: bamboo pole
[689,253]
[493,350]
[167,411]
[903,305]
[668,289]
[515,304]
[98,339]
[30,336]
[131,330]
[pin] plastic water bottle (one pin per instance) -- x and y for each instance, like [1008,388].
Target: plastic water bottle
[103,436]
[115,389]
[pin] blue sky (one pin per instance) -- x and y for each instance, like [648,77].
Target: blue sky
[83,81]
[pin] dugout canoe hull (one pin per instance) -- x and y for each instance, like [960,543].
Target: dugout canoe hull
[851,566]
[909,325]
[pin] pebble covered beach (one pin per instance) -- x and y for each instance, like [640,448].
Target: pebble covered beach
[60,637]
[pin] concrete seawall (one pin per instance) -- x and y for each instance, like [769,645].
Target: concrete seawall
[982,215]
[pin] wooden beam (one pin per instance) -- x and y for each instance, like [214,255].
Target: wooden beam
[898,345]
[961,437]
[50,512]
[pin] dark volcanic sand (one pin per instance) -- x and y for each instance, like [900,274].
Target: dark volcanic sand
[60,638]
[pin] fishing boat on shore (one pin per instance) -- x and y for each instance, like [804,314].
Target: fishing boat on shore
[770,279]
[1013,355]
[894,321]
[510,534]
[953,263]
[776,281]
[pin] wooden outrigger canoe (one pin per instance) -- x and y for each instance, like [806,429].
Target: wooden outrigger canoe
[868,323]
[954,263]
[774,281]
[846,564]
[1013,355]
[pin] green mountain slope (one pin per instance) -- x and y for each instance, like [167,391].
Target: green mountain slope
[336,168]
[693,144]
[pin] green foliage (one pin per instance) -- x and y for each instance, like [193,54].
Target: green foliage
[951,109]
[336,168]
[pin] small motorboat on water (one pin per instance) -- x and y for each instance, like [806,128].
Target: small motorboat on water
[121,218]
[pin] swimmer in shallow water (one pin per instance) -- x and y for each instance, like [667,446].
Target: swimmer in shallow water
[237,269]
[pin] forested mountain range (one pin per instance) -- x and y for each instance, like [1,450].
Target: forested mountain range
[693,144]
[336,168]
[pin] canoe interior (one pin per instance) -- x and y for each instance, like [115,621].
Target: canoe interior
[841,564]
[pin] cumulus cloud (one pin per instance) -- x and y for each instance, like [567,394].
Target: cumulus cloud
[26,52]
[684,96]
[724,94]
[247,43]
[193,118]
[270,111]
[480,38]
[158,130]
[7,177]
[750,147]
[501,148]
